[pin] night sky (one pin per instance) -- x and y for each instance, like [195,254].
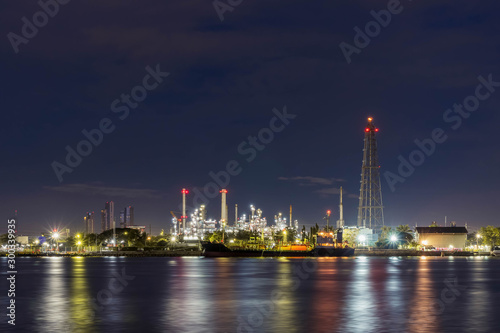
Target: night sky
[225,78]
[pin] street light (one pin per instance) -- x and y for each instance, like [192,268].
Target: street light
[56,237]
[362,239]
[394,238]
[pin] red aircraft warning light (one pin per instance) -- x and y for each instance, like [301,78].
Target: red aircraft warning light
[184,191]
[223,191]
[328,212]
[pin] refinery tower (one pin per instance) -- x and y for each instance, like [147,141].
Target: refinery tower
[371,209]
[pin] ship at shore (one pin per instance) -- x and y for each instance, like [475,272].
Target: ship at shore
[327,245]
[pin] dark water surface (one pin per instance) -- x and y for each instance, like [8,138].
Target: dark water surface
[255,295]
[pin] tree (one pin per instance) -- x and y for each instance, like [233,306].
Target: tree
[384,240]
[216,236]
[350,236]
[303,233]
[404,234]
[4,239]
[490,235]
[70,241]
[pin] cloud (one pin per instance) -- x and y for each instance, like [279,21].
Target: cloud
[105,191]
[318,181]
[328,191]
[335,191]
[310,181]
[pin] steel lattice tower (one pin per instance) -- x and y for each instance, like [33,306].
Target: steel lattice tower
[371,209]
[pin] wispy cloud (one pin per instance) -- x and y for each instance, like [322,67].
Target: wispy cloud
[325,183]
[335,191]
[105,191]
[328,191]
[310,181]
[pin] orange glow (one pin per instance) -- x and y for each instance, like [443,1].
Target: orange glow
[223,191]
[370,119]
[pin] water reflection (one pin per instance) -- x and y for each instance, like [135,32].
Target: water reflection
[81,313]
[328,296]
[51,309]
[424,305]
[360,305]
[259,295]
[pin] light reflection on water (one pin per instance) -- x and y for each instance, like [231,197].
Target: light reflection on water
[257,295]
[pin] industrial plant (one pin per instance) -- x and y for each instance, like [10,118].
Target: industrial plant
[370,210]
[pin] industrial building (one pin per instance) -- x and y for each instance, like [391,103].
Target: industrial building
[442,238]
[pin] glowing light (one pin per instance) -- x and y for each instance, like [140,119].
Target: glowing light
[173,239]
[478,236]
[78,243]
[328,212]
[394,238]
[370,119]
[362,238]
[376,129]
[367,129]
[425,242]
[55,235]
[451,246]
[184,191]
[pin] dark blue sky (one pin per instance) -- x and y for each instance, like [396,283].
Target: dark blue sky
[225,79]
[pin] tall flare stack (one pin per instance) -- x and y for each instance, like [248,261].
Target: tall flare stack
[184,217]
[371,209]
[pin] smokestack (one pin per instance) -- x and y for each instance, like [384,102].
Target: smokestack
[340,223]
[290,216]
[223,213]
[236,214]
[184,192]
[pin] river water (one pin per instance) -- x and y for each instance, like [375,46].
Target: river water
[190,294]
